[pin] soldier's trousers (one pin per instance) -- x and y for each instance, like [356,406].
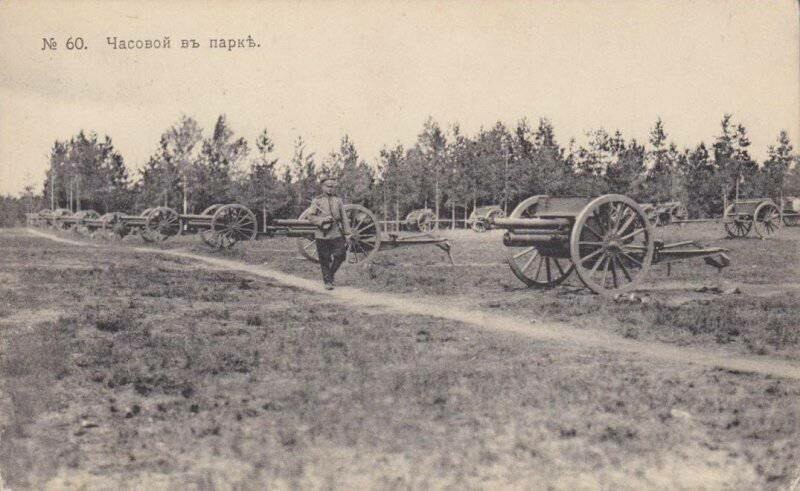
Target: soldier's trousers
[332,253]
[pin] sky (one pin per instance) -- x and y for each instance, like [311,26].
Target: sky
[377,70]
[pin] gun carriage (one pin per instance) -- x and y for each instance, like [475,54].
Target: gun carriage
[607,241]
[223,225]
[660,214]
[422,220]
[790,210]
[480,218]
[761,215]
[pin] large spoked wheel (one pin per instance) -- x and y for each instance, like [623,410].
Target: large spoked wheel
[113,226]
[57,217]
[479,225]
[161,223]
[231,224]
[527,263]
[791,219]
[612,245]
[364,241]
[80,226]
[211,209]
[306,245]
[366,236]
[208,235]
[679,212]
[536,270]
[737,226]
[426,221]
[767,219]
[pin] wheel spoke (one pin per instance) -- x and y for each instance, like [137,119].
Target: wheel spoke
[593,254]
[558,266]
[631,258]
[605,271]
[613,272]
[592,230]
[622,267]
[530,261]
[547,269]
[597,265]
[626,224]
[524,252]
[633,234]
[539,268]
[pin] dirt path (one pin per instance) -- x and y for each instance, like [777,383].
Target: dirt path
[553,332]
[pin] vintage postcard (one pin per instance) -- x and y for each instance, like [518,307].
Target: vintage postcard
[523,244]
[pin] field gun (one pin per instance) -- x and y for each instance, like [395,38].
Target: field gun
[790,210]
[607,241]
[221,226]
[480,218]
[760,214]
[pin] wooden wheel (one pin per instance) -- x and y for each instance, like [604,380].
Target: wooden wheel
[679,212]
[791,219]
[534,269]
[231,224]
[426,221]
[211,209]
[737,226]
[161,223]
[113,226]
[479,225]
[208,235]
[80,226]
[766,219]
[57,215]
[306,245]
[527,263]
[612,245]
[44,217]
[364,241]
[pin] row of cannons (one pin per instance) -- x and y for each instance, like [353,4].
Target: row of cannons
[221,226]
[608,242]
[762,215]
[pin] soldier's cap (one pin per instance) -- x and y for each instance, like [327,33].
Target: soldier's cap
[324,176]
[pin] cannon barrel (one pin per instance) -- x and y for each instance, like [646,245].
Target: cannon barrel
[531,223]
[293,223]
[522,240]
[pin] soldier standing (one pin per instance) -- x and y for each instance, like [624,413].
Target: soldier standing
[333,229]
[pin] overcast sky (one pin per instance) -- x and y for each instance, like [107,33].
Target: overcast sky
[376,71]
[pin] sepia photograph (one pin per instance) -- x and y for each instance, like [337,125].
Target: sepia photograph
[399,245]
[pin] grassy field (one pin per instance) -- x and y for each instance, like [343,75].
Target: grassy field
[122,369]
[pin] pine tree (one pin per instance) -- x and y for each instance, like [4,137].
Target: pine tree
[776,167]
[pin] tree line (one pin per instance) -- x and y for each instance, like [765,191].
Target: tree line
[444,169]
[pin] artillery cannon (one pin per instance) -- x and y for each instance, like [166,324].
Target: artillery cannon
[761,215]
[480,218]
[222,226]
[607,241]
[660,214]
[422,220]
[80,222]
[790,210]
[365,241]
